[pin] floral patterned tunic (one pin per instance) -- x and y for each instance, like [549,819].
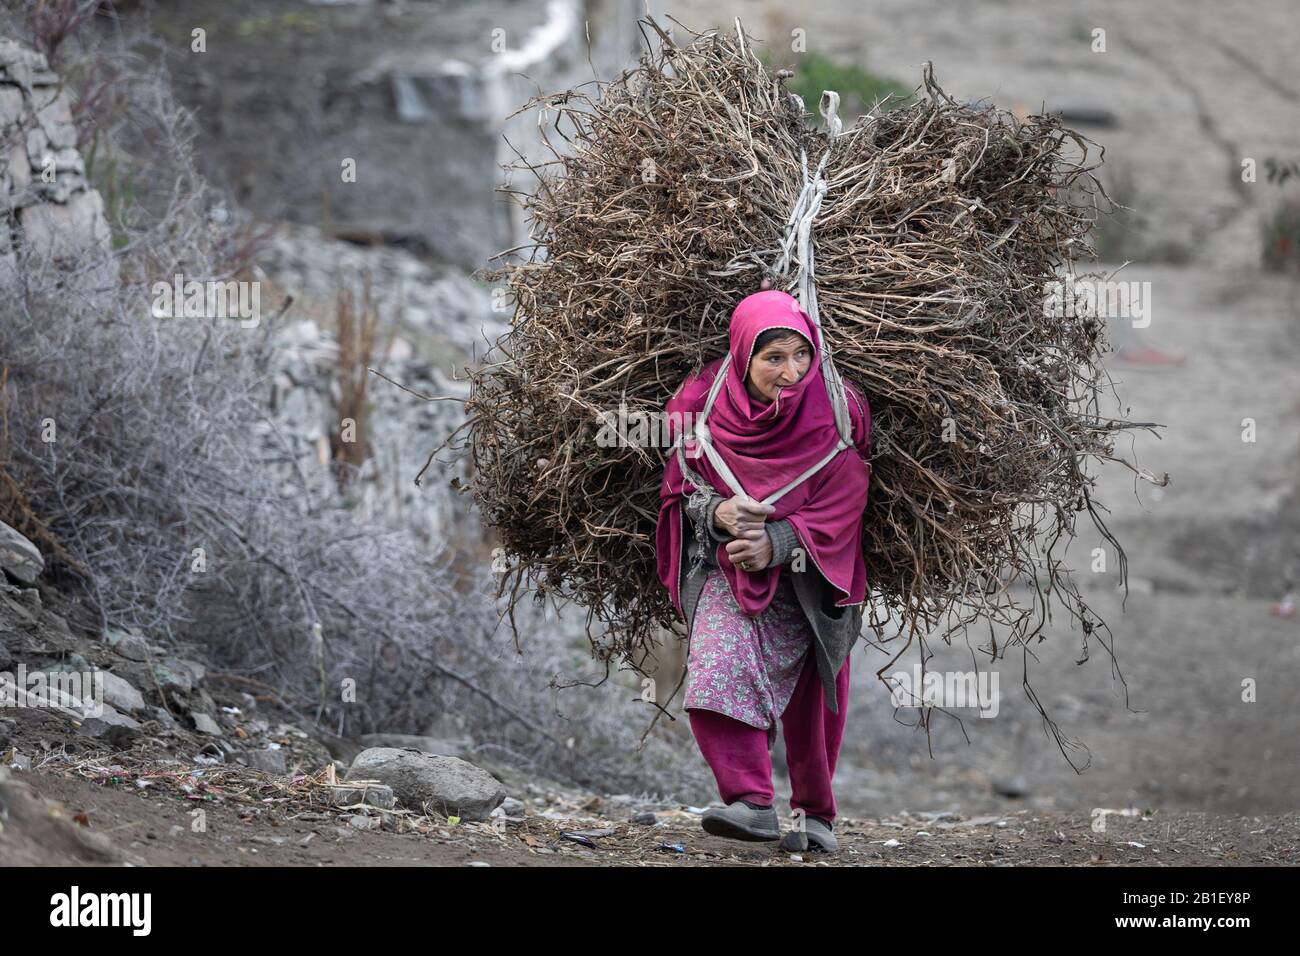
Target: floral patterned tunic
[744,667]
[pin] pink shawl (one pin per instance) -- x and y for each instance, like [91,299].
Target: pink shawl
[766,447]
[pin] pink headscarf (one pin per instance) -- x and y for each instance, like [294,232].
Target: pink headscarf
[766,447]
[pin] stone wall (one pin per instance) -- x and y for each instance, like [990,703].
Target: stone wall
[46,205]
[54,220]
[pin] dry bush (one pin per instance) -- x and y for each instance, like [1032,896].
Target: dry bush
[157,504]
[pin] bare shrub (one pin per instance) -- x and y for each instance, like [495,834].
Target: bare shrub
[134,455]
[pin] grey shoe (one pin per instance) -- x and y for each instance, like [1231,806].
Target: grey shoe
[739,821]
[817,836]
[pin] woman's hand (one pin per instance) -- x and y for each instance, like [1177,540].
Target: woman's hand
[752,551]
[740,514]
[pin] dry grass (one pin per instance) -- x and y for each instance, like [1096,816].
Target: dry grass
[357,329]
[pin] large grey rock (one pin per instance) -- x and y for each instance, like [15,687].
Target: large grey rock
[11,106]
[118,693]
[55,117]
[446,785]
[19,556]
[439,746]
[201,702]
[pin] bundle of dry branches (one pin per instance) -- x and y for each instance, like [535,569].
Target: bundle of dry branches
[940,226]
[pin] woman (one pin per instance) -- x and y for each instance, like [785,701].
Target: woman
[772,593]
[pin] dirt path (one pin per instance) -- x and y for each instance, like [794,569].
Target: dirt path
[150,829]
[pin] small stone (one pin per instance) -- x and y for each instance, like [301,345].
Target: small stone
[128,644]
[374,795]
[19,556]
[206,725]
[176,674]
[267,761]
[117,730]
[1011,786]
[74,662]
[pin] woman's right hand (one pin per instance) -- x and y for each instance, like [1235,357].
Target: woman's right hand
[740,514]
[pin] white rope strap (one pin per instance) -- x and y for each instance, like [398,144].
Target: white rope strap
[797,241]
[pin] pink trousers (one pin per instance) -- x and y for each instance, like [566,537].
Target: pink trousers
[739,757]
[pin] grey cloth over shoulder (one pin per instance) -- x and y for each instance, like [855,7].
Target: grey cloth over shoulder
[835,629]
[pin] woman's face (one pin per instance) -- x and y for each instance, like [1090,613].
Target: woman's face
[778,365]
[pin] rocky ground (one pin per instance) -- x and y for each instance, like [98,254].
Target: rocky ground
[79,820]
[1208,777]
[191,767]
